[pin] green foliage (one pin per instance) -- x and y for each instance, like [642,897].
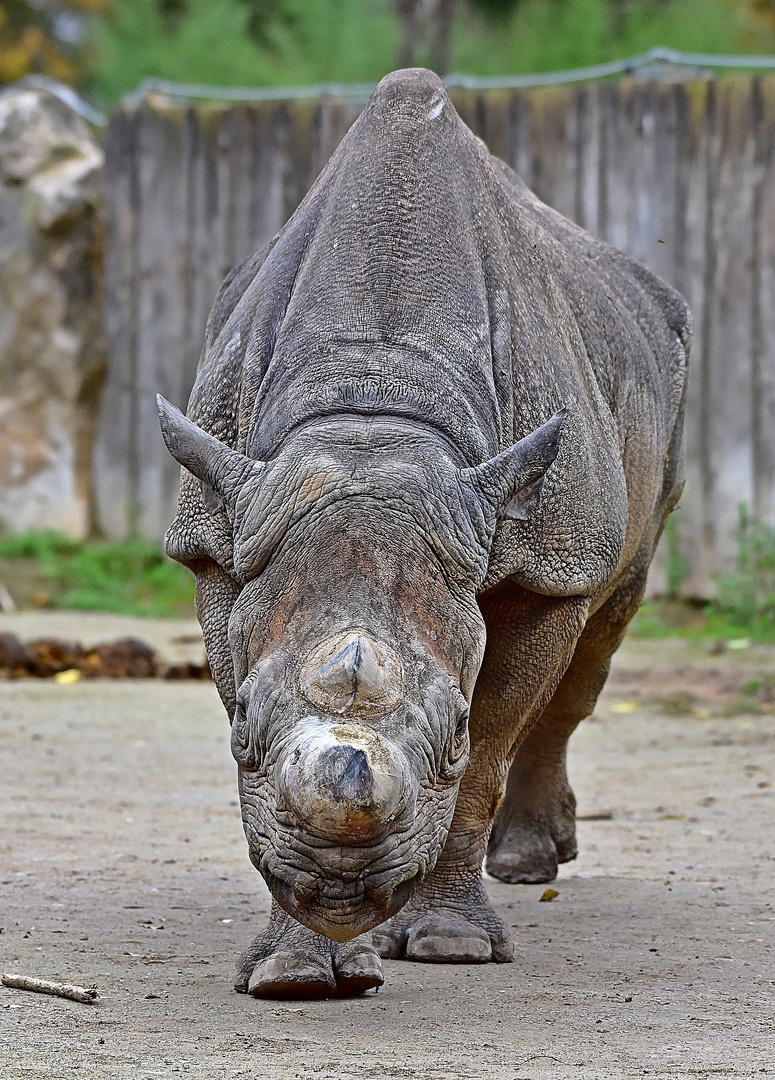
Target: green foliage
[287,42]
[132,577]
[748,594]
[548,35]
[678,567]
[744,606]
[211,42]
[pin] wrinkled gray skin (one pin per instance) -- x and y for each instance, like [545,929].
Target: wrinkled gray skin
[412,566]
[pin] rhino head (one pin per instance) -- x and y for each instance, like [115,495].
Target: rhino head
[356,640]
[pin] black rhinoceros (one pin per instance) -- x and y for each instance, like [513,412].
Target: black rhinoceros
[434,438]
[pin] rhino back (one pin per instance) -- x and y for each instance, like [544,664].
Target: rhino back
[420,278]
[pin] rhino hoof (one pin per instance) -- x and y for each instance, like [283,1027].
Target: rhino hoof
[446,936]
[528,857]
[308,973]
[449,939]
[292,975]
[518,868]
[357,968]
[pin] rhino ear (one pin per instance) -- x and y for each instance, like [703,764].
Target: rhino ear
[224,471]
[510,484]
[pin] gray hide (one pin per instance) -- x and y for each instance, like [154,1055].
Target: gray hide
[417,345]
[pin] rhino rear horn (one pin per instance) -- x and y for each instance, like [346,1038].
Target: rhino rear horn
[224,470]
[510,484]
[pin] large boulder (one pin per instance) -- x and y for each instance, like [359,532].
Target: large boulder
[52,352]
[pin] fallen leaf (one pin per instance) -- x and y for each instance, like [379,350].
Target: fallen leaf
[69,676]
[547,895]
[624,706]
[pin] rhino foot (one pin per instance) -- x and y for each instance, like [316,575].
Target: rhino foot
[290,961]
[461,934]
[535,828]
[529,854]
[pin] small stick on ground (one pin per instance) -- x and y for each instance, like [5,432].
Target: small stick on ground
[86,994]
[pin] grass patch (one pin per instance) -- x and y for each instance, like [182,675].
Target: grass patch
[128,577]
[744,607]
[666,618]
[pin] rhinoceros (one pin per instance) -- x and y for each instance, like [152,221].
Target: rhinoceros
[434,437]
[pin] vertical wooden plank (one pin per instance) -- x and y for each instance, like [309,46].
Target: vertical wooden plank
[520,122]
[620,140]
[693,105]
[266,176]
[161,264]
[114,453]
[727,320]
[763,300]
[588,150]
[554,149]
[606,111]
[653,241]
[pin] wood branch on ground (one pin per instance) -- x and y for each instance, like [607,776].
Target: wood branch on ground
[85,994]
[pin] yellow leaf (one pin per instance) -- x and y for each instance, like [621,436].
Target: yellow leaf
[68,677]
[624,706]
[547,895]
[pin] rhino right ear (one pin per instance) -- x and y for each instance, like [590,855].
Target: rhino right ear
[222,469]
[510,484]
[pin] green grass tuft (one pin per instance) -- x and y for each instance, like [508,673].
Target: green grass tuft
[131,577]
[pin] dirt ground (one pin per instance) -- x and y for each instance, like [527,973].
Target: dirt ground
[123,865]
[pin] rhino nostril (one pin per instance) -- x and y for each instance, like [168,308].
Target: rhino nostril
[347,774]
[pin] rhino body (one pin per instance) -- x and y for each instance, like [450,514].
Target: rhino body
[434,437]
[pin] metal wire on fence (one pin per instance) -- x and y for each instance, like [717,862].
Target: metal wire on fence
[654,58]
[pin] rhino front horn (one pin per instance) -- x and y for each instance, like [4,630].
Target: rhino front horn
[345,783]
[352,674]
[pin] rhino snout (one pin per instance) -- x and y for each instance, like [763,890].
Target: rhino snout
[344,784]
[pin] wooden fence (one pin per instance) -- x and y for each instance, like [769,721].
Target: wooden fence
[682,176]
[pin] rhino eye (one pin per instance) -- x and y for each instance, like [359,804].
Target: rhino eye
[456,755]
[242,749]
[460,739]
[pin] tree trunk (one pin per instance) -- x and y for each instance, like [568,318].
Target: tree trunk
[441,51]
[408,12]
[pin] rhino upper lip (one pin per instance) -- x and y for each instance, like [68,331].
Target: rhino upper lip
[327,910]
[340,893]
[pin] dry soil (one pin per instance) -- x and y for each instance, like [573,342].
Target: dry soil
[123,865]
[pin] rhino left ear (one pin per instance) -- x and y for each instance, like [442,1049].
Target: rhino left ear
[510,484]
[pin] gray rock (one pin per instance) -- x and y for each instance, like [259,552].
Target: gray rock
[52,353]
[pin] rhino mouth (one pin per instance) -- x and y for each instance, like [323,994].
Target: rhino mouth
[343,910]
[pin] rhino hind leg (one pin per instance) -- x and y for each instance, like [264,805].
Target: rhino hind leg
[535,828]
[290,961]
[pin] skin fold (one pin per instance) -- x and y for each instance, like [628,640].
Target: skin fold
[434,438]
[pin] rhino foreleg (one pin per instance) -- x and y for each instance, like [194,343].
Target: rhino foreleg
[530,643]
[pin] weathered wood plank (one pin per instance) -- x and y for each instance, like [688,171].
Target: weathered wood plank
[193,191]
[763,301]
[114,456]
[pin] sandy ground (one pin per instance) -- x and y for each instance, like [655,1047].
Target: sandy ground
[123,864]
